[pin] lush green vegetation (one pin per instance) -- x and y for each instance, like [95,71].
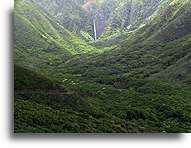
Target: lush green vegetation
[135,79]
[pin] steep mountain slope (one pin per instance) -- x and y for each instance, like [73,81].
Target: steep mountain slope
[69,13]
[124,14]
[179,23]
[39,39]
[141,83]
[117,15]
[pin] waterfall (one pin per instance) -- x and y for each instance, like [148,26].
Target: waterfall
[95,31]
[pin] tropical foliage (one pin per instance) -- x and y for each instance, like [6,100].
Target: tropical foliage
[136,77]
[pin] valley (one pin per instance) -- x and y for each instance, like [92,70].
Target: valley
[134,77]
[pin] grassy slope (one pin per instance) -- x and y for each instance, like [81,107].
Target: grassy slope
[163,42]
[69,13]
[40,40]
[122,90]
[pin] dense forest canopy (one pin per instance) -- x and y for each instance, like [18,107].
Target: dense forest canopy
[102,66]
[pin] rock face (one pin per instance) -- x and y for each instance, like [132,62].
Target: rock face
[77,15]
[122,14]
[98,21]
[68,13]
[113,15]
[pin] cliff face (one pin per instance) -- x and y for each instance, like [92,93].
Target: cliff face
[68,13]
[77,15]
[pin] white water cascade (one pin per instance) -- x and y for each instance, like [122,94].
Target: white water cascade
[95,30]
